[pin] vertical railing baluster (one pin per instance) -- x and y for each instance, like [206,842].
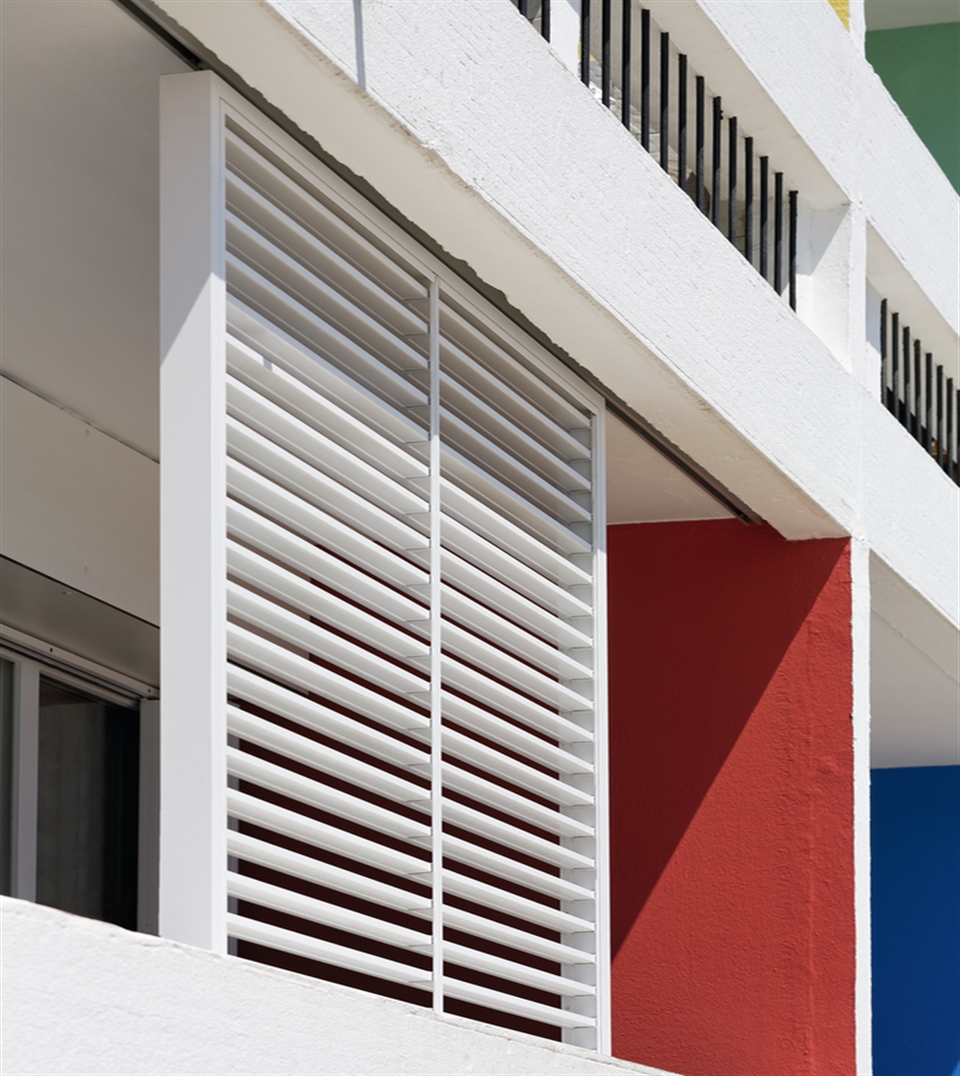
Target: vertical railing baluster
[645,79]
[940,457]
[928,403]
[545,18]
[895,362]
[626,58]
[792,251]
[605,64]
[748,199]
[665,102]
[778,232]
[917,390]
[701,123]
[764,218]
[523,6]
[904,413]
[732,180]
[883,351]
[682,121]
[950,453]
[715,184]
[585,42]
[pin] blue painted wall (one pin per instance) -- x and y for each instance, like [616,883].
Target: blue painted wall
[916,921]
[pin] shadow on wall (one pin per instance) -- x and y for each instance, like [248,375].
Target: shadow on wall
[731,799]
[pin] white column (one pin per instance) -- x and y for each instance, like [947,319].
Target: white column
[860,627]
[193,858]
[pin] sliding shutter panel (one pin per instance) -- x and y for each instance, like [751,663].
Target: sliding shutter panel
[405,593]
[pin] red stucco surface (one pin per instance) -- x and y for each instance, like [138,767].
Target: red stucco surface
[731,800]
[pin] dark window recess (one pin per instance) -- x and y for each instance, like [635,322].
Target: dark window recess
[727,196]
[87,805]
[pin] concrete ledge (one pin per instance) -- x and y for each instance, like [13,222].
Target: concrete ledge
[84,997]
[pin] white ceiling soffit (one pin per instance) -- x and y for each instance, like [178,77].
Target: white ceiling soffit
[915,704]
[643,486]
[80,152]
[893,14]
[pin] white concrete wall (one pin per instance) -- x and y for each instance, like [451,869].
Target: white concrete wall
[84,997]
[539,190]
[78,506]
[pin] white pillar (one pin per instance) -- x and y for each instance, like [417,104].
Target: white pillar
[193,822]
[860,627]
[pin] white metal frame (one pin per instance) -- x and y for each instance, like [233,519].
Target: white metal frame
[32,658]
[194,735]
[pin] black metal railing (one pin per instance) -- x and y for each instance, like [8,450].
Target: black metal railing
[917,393]
[731,188]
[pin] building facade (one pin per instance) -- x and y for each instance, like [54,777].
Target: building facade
[480,492]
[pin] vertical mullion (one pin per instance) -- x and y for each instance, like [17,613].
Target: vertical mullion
[764,218]
[778,232]
[928,402]
[545,19]
[26,773]
[585,42]
[883,352]
[895,365]
[701,123]
[941,459]
[748,199]
[665,101]
[605,65]
[715,181]
[626,59]
[645,79]
[682,121]
[792,250]
[732,180]
[436,654]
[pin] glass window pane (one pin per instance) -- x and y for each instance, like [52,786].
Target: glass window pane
[87,805]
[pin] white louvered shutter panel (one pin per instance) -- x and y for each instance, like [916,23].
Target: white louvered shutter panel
[414,605]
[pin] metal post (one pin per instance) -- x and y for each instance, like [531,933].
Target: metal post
[764,218]
[748,199]
[778,232]
[665,101]
[682,121]
[732,180]
[645,79]
[701,123]
[717,127]
[626,59]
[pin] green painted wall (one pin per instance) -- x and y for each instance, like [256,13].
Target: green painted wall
[920,66]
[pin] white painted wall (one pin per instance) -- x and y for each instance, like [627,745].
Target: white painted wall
[562,211]
[77,505]
[83,996]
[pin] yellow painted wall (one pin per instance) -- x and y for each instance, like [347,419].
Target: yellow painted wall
[842,8]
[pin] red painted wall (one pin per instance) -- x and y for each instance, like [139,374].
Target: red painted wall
[731,800]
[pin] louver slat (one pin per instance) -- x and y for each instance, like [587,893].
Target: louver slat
[287,941]
[413,614]
[264,854]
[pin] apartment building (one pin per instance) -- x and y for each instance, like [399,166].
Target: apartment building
[480,493]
